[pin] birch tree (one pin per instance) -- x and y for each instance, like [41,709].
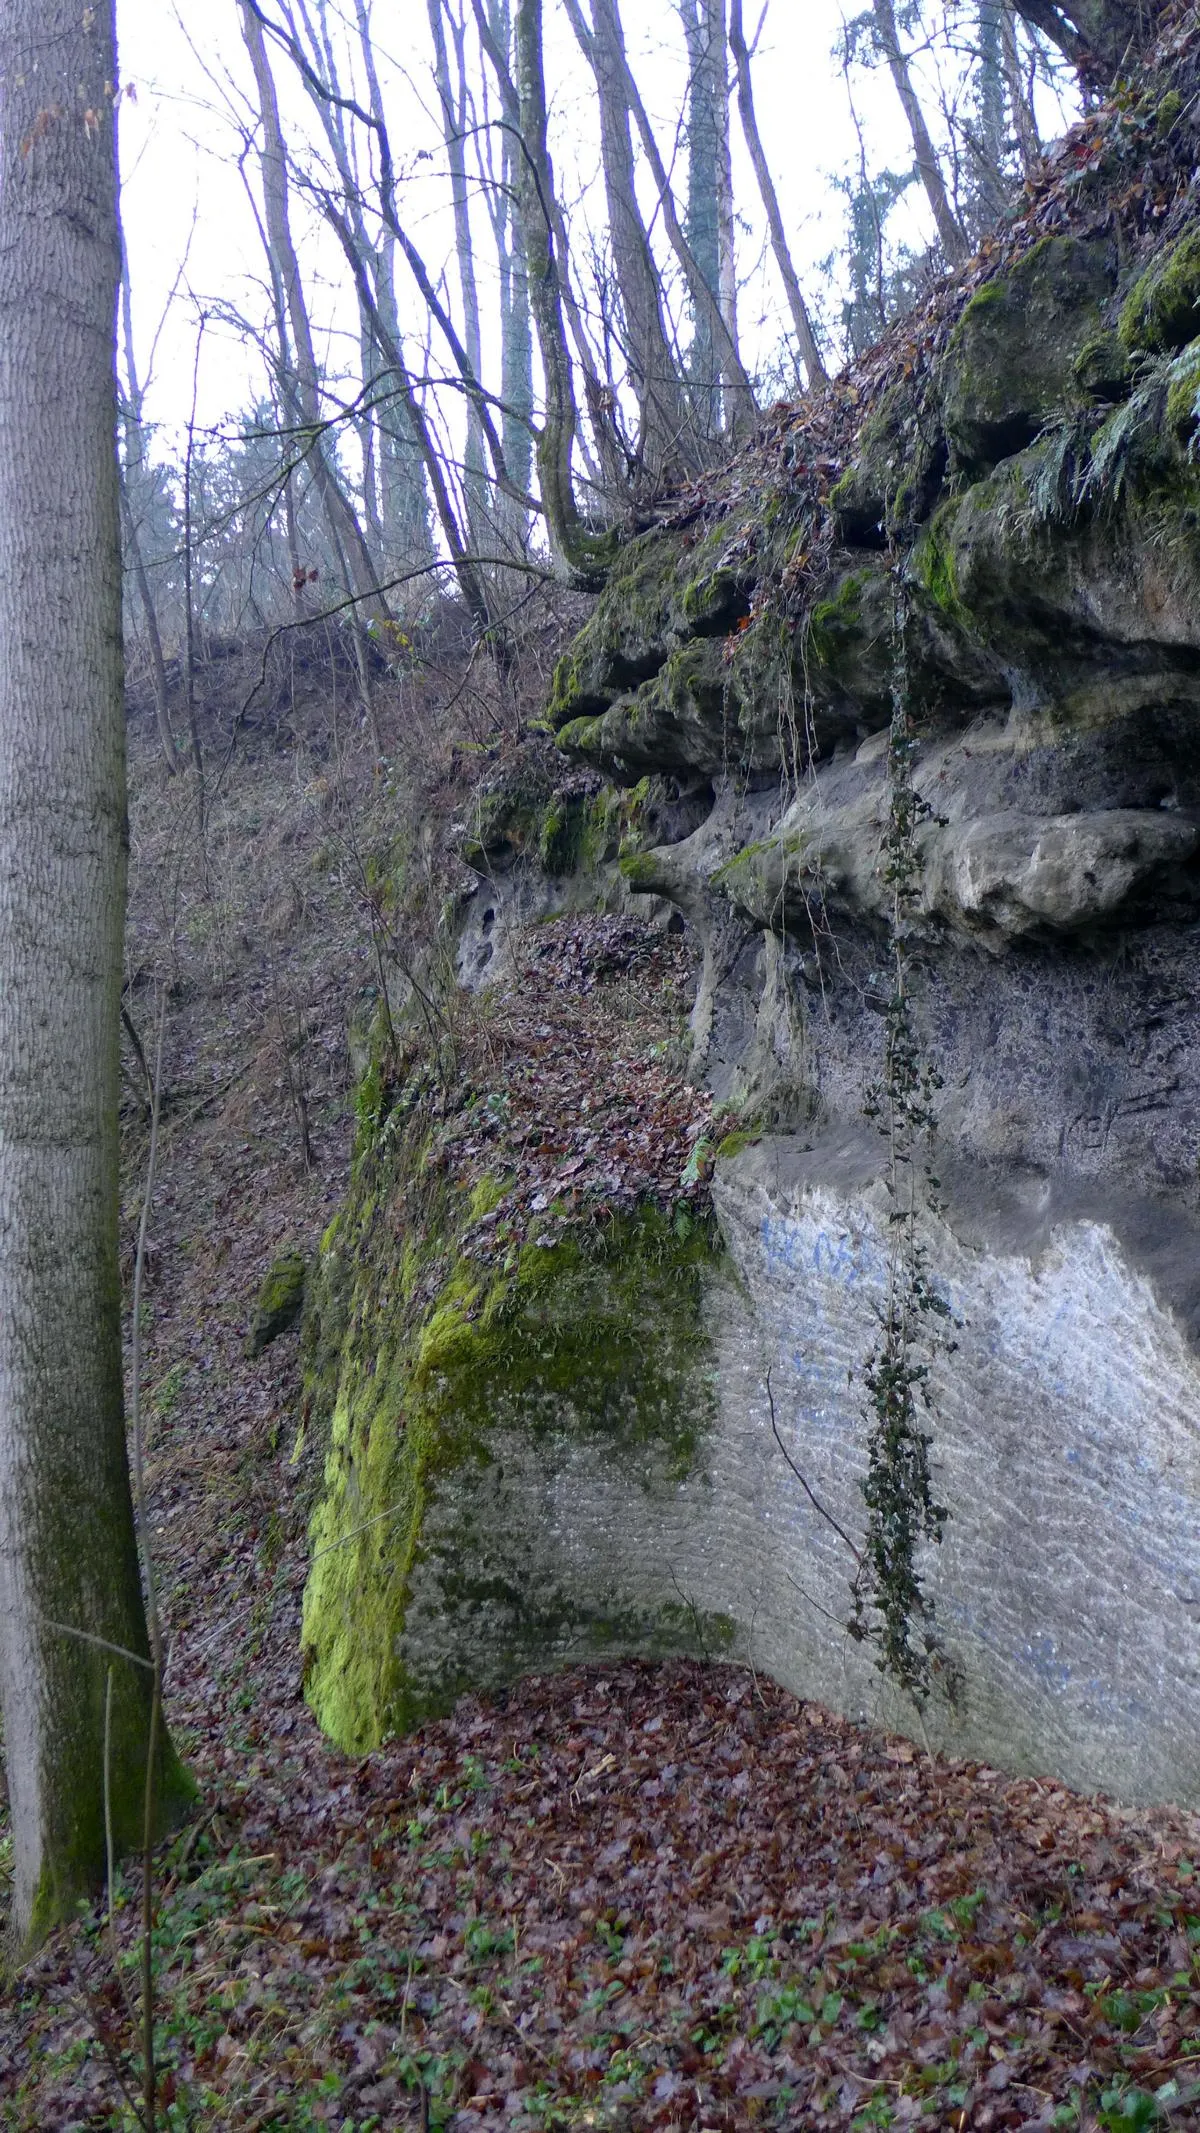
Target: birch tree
[71,1610]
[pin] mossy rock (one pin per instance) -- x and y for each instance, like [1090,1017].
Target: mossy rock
[643,872]
[1162,311]
[580,831]
[505,822]
[636,621]
[583,740]
[663,589]
[1009,367]
[280,1301]
[477,1434]
[1035,575]
[715,602]
[899,464]
[850,646]
[1183,395]
[1102,369]
[846,629]
[933,564]
[684,718]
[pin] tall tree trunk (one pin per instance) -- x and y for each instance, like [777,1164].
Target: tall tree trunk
[404,499]
[726,226]
[343,524]
[709,217]
[158,665]
[950,233]
[1020,99]
[806,339]
[578,550]
[452,97]
[990,187]
[68,1549]
[704,294]
[516,328]
[471,582]
[608,463]
[664,421]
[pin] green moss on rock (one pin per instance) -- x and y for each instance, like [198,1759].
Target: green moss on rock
[506,821]
[1162,311]
[1183,395]
[643,872]
[1102,369]
[483,1429]
[581,830]
[1009,365]
[280,1301]
[835,624]
[714,602]
[897,470]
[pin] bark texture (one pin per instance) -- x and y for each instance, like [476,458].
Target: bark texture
[575,547]
[68,1551]
[664,426]
[950,232]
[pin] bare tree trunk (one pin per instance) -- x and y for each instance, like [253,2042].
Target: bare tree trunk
[452,95]
[704,294]
[726,227]
[403,502]
[135,454]
[608,459]
[584,557]
[806,339]
[664,419]
[516,329]
[1029,146]
[466,569]
[709,218]
[496,148]
[344,526]
[950,232]
[68,1549]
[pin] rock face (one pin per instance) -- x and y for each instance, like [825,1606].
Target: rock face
[280,1301]
[1007,567]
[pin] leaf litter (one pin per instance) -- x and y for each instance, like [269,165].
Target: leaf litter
[623,1896]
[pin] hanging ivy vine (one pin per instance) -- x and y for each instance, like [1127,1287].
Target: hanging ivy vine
[891,1607]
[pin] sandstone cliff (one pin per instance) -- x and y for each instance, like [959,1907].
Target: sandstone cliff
[941,628]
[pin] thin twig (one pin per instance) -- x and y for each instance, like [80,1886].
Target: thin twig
[149,2084]
[814,1500]
[103,1644]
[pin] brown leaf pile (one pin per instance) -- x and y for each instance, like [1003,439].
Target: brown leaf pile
[652,1897]
[578,1102]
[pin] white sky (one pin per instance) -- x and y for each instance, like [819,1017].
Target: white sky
[187,219]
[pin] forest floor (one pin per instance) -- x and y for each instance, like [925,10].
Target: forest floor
[625,1896]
